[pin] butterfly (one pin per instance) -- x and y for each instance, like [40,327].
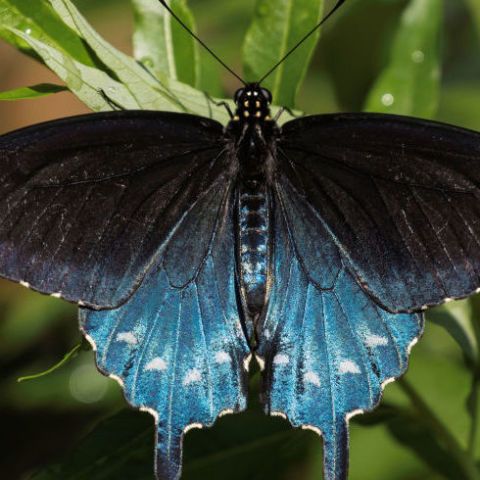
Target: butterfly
[193,247]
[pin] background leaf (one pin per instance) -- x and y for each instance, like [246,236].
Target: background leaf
[41,22]
[276,27]
[162,45]
[85,81]
[120,447]
[148,92]
[410,83]
[475,9]
[36,91]
[456,319]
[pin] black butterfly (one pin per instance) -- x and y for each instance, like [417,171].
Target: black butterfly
[191,247]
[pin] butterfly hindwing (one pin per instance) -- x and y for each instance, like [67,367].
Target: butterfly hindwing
[87,202]
[399,198]
[328,348]
[179,349]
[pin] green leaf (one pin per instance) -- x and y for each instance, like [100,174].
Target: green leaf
[36,91]
[85,81]
[41,22]
[475,8]
[248,445]
[162,45]
[475,324]
[410,83]
[120,447]
[27,318]
[415,433]
[420,431]
[277,26]
[146,91]
[455,318]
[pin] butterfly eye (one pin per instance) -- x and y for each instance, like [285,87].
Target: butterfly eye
[267,95]
[238,95]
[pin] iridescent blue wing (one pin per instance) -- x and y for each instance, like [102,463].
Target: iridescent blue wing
[86,203]
[178,348]
[399,198]
[130,214]
[376,217]
[328,348]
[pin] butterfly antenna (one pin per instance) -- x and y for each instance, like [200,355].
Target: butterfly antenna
[201,42]
[306,37]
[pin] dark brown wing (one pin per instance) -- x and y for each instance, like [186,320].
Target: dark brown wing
[86,203]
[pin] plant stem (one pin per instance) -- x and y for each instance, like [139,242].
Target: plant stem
[62,362]
[472,438]
[464,460]
[474,395]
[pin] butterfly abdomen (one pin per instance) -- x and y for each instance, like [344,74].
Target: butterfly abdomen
[253,243]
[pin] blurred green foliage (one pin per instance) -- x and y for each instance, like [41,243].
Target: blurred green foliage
[416,57]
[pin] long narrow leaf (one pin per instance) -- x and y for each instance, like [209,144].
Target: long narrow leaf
[277,26]
[36,91]
[86,82]
[149,92]
[162,45]
[455,319]
[410,83]
[41,22]
[475,9]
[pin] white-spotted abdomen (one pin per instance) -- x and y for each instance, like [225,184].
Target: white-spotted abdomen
[253,244]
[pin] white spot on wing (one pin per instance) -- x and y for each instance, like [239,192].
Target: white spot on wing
[348,366]
[312,377]
[56,295]
[117,379]
[248,267]
[279,414]
[151,411]
[246,362]
[261,362]
[222,357]
[25,284]
[281,359]
[227,411]
[191,427]
[376,340]
[313,429]
[91,341]
[354,414]
[157,364]
[388,381]
[127,337]
[192,376]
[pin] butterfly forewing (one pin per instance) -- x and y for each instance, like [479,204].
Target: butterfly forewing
[88,202]
[398,197]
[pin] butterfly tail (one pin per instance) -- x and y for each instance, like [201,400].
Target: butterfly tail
[335,451]
[168,457]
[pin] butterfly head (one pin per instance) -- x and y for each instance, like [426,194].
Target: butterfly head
[253,103]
